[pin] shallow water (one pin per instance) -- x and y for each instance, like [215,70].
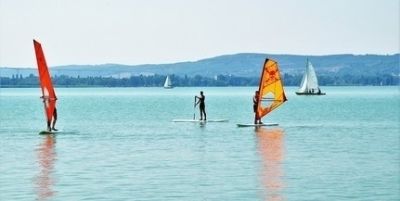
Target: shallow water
[120,144]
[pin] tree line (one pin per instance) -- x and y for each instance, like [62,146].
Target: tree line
[193,81]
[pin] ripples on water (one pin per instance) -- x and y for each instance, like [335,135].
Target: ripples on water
[120,144]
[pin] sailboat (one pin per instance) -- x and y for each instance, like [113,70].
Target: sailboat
[48,94]
[167,84]
[309,82]
[272,94]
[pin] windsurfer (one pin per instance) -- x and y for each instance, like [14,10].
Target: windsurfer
[51,124]
[257,119]
[202,105]
[48,94]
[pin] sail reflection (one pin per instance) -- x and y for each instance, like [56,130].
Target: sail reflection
[271,149]
[46,159]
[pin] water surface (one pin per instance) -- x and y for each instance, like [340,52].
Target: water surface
[120,144]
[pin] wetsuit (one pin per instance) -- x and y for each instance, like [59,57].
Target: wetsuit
[202,107]
[256,118]
[254,104]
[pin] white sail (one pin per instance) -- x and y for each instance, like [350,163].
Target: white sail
[167,83]
[312,83]
[309,82]
[303,85]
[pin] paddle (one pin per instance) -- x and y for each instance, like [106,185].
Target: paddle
[194,108]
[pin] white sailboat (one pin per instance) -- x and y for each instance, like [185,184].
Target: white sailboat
[309,83]
[167,84]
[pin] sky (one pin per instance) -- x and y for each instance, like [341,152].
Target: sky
[166,31]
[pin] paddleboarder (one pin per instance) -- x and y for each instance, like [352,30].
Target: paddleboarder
[202,105]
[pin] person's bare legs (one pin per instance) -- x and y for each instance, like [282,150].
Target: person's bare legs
[54,125]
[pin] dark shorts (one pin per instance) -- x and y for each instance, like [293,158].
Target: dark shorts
[202,106]
[254,108]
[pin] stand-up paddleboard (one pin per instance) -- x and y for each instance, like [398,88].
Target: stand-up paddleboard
[46,85]
[198,120]
[48,132]
[257,125]
[58,132]
[271,92]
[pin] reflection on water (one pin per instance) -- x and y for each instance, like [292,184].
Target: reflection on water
[46,157]
[271,149]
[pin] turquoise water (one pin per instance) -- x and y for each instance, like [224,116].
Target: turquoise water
[120,144]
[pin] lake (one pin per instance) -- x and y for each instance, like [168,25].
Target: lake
[121,144]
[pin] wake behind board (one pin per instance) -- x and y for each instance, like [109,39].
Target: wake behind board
[257,125]
[197,120]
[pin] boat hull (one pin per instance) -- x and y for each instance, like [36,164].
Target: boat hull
[310,94]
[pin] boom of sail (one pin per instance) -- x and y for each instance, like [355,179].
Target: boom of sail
[168,84]
[309,82]
[48,93]
[272,94]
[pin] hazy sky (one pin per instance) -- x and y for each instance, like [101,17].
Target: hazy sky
[164,31]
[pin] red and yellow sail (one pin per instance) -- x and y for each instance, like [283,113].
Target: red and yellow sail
[48,93]
[270,89]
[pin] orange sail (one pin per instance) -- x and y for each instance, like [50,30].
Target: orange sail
[271,90]
[48,93]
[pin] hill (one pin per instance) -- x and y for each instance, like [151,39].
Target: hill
[243,65]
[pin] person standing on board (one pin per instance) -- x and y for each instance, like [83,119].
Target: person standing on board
[202,105]
[257,119]
[53,127]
